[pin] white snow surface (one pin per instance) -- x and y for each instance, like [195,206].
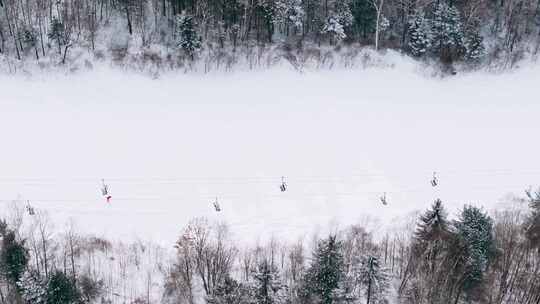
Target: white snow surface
[167,147]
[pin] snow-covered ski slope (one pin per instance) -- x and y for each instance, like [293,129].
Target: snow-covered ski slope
[169,147]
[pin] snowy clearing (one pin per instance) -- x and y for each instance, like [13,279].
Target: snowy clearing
[168,147]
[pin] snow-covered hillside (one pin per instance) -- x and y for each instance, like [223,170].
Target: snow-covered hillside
[169,147]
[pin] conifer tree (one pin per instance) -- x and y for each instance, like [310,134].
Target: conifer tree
[365,17]
[187,37]
[56,33]
[420,34]
[374,278]
[433,224]
[448,41]
[326,270]
[13,257]
[32,288]
[532,224]
[267,287]
[334,29]
[475,46]
[432,239]
[474,229]
[231,292]
[61,289]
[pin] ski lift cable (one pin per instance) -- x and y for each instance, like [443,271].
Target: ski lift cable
[259,196]
[265,195]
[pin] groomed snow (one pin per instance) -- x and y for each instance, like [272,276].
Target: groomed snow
[168,147]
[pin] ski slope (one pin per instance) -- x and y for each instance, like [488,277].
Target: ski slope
[169,147]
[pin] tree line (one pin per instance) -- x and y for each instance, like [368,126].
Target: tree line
[476,257]
[444,30]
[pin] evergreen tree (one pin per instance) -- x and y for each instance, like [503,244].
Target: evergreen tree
[187,38]
[13,257]
[474,229]
[432,240]
[61,289]
[28,36]
[269,10]
[326,270]
[90,289]
[475,49]
[294,13]
[342,12]
[334,29]
[267,287]
[57,33]
[231,292]
[448,39]
[433,224]
[374,278]
[33,289]
[3,228]
[419,34]
[365,17]
[338,21]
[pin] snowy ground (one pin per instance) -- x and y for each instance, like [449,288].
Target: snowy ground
[168,147]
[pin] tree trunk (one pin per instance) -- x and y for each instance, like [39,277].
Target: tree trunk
[378,9]
[368,291]
[130,28]
[65,53]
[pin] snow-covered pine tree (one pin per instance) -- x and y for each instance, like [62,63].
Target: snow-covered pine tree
[267,286]
[343,13]
[419,34]
[345,293]
[294,13]
[32,288]
[374,278]
[474,43]
[333,29]
[269,10]
[433,224]
[186,34]
[326,269]
[431,243]
[229,291]
[339,19]
[57,33]
[62,289]
[474,229]
[448,41]
[365,17]
[13,257]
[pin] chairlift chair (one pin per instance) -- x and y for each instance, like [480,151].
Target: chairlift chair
[283,186]
[217,206]
[434,180]
[105,191]
[383,199]
[30,209]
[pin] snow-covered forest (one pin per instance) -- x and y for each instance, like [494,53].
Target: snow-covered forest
[473,257]
[222,34]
